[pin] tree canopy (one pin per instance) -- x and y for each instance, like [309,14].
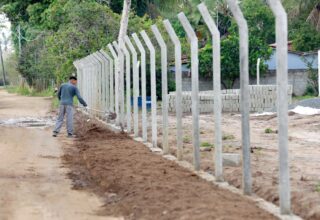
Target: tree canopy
[56,32]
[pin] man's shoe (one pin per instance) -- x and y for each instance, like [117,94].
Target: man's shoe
[55,134]
[70,136]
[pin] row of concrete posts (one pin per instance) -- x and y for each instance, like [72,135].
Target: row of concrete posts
[107,87]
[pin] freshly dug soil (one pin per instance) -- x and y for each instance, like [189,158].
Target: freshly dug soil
[137,184]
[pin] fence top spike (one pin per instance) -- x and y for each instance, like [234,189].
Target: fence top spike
[158,36]
[208,19]
[172,34]
[113,52]
[147,41]
[138,43]
[187,26]
[130,45]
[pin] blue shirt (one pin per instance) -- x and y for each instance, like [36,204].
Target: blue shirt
[66,93]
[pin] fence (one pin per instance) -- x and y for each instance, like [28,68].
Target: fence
[101,81]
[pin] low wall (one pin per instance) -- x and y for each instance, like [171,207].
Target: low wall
[262,98]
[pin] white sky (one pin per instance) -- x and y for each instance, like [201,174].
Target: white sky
[6,29]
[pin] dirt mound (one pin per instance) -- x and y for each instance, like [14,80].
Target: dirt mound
[137,184]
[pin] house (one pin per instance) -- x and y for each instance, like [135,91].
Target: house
[299,64]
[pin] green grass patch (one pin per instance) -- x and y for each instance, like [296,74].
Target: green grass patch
[317,188]
[207,144]
[186,139]
[269,131]
[299,98]
[228,137]
[27,91]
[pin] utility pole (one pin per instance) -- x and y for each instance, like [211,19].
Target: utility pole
[3,71]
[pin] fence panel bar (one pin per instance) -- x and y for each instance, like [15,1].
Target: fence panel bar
[153,87]
[195,87]
[245,96]
[282,103]
[164,83]
[135,71]
[178,72]
[143,87]
[217,88]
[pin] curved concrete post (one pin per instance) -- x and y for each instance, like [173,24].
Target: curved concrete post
[90,73]
[177,51]
[105,82]
[282,103]
[143,87]
[245,95]
[195,87]
[100,67]
[77,65]
[258,71]
[128,87]
[116,81]
[153,87]
[164,83]
[94,78]
[110,79]
[217,88]
[120,83]
[135,70]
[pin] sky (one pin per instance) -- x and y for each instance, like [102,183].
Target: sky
[6,29]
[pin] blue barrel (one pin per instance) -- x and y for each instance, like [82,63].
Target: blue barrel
[148,100]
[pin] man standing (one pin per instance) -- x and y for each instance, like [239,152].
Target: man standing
[65,94]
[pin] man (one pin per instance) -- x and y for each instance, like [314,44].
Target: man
[65,94]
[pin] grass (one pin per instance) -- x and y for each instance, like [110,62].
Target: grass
[269,131]
[207,144]
[187,139]
[299,98]
[26,91]
[228,137]
[317,187]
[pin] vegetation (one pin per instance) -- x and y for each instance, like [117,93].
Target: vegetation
[207,145]
[228,137]
[56,32]
[269,131]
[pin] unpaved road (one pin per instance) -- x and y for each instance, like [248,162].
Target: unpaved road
[33,183]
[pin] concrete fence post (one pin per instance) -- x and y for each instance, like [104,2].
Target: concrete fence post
[217,88]
[153,87]
[110,80]
[135,78]
[116,82]
[282,103]
[319,72]
[164,83]
[105,81]
[178,72]
[195,87]
[98,88]
[258,71]
[245,95]
[120,81]
[143,87]
[128,87]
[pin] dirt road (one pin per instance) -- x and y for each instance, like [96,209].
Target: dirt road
[33,182]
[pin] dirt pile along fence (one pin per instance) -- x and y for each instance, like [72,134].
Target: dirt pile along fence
[105,82]
[262,98]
